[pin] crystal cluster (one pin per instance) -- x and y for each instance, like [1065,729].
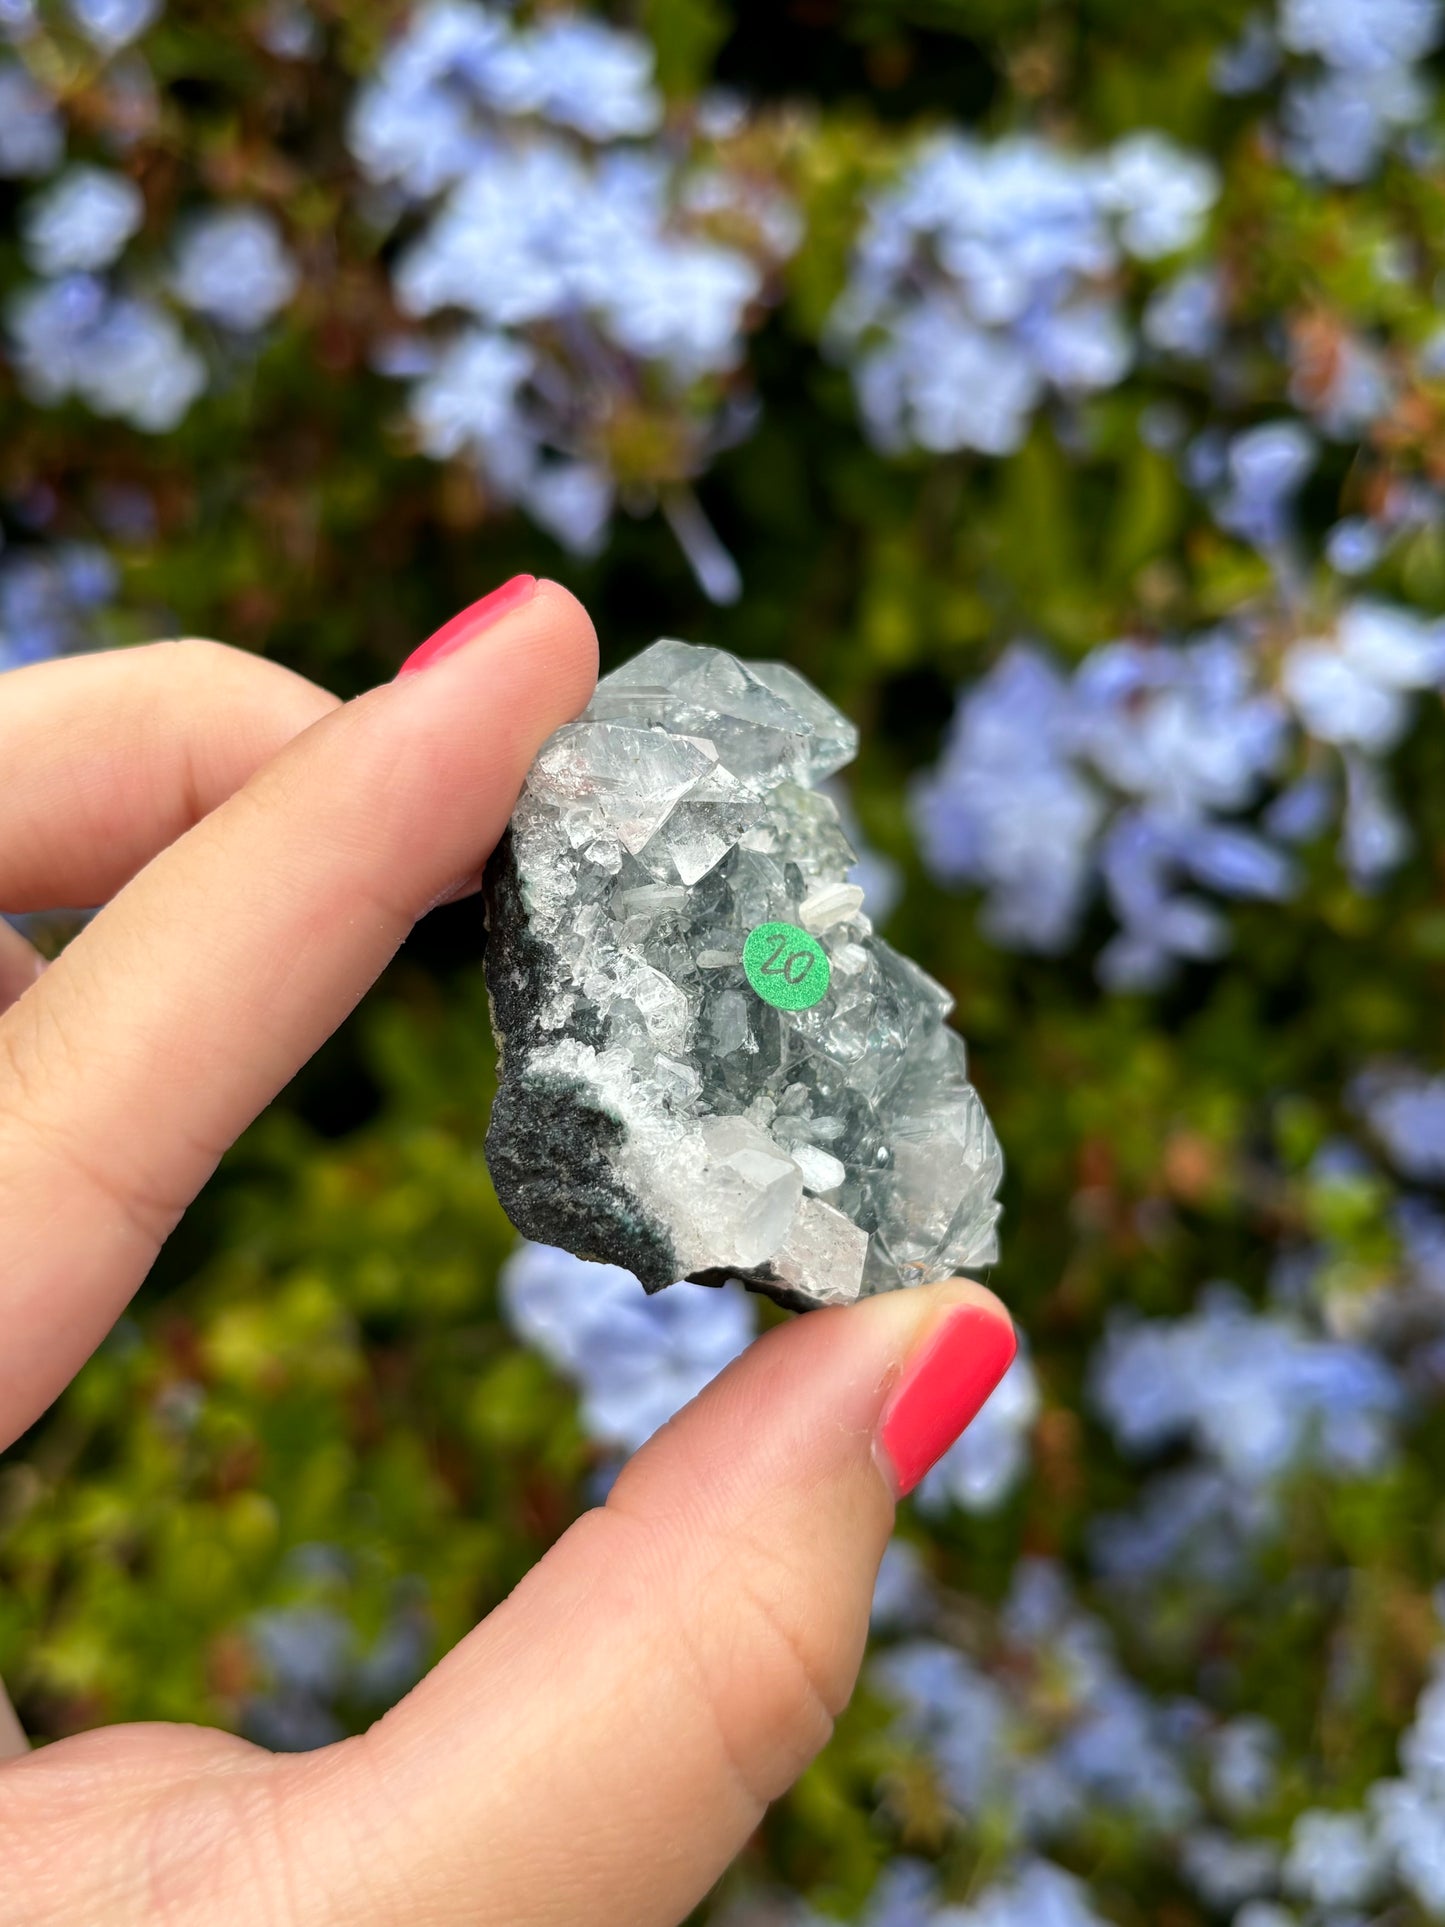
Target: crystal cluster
[711,1066]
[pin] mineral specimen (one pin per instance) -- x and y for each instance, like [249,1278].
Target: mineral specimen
[711,1066]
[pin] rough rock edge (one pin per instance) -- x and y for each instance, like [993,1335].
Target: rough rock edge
[547,1122]
[551,1123]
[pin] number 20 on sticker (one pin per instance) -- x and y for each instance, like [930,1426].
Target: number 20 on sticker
[786,967]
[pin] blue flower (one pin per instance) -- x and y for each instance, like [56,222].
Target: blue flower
[1244,1765]
[591,77]
[1353,688]
[1338,125]
[1127,773]
[1302,810]
[291,31]
[1354,546]
[307,1647]
[900,1593]
[1186,729]
[904,1896]
[18,19]
[232,266]
[940,384]
[1421,1232]
[953,1710]
[1253,1392]
[573,501]
[1051,1732]
[82,221]
[585,267]
[1191,1527]
[1422,1750]
[1037,1894]
[471,398]
[637,1360]
[1406,1111]
[1362,36]
[314,1660]
[49,600]
[1251,62]
[121,355]
[1411,1822]
[113,24]
[980,282]
[1343,384]
[1374,836]
[1160,194]
[32,134]
[1334,1859]
[540,234]
[1339,120]
[1265,1913]
[423,119]
[1186,316]
[1225,1870]
[1007,807]
[1266,467]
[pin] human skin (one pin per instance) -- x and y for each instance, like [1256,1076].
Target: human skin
[599,1747]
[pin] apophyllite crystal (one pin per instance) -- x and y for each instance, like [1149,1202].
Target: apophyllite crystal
[711,1066]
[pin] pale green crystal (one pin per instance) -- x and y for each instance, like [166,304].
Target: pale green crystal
[820,1153]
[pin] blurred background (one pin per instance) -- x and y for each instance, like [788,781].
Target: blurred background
[1061,385]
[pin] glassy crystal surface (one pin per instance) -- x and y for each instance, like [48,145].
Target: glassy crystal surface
[661,1107]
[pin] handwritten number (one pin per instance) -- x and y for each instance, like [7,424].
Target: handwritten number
[792,969]
[772,968]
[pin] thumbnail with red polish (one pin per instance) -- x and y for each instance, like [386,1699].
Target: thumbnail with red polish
[471,622]
[942,1390]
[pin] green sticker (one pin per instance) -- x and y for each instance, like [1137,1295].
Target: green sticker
[786,967]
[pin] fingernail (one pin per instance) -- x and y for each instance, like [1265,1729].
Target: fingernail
[459,631]
[942,1391]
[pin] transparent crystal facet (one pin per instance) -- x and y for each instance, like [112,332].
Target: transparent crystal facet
[654,1110]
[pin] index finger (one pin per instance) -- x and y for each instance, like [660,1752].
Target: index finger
[176,1016]
[109,757]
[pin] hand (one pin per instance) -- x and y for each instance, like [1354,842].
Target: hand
[597,1750]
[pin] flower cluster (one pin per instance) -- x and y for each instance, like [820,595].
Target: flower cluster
[1341,1860]
[1137,770]
[1050,1730]
[591,320]
[32,134]
[1405,1109]
[96,324]
[1044,1732]
[120,354]
[1033,1893]
[983,281]
[1256,1396]
[637,1360]
[1354,79]
[314,1671]
[232,267]
[49,600]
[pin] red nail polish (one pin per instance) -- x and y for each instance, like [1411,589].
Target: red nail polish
[471,622]
[943,1390]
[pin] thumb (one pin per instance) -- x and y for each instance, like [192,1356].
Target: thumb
[608,1739]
